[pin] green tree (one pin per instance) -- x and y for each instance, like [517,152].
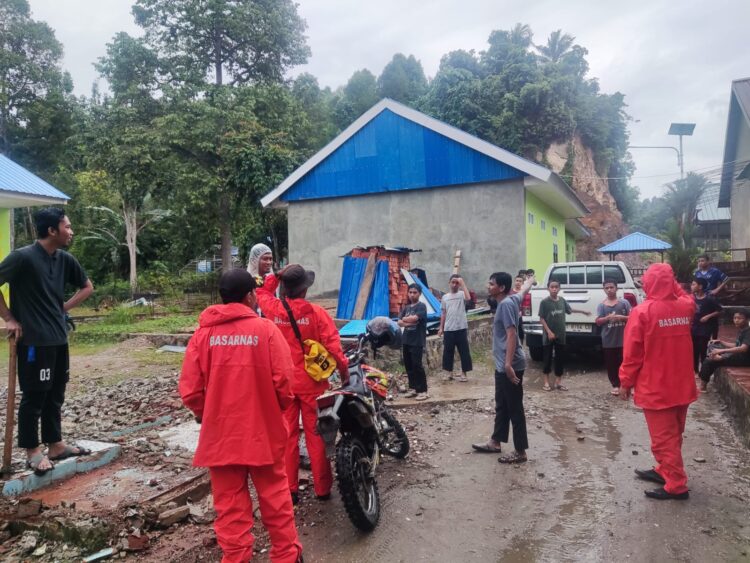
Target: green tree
[681,198]
[402,79]
[558,46]
[211,43]
[29,66]
[358,95]
[124,147]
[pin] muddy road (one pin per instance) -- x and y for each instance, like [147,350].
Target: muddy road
[575,500]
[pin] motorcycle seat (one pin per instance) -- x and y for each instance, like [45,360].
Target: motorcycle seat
[356,384]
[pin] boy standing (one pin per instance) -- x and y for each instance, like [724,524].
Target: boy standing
[727,355]
[705,320]
[611,316]
[454,327]
[552,311]
[413,319]
[510,363]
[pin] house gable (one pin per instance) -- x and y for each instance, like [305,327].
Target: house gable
[392,153]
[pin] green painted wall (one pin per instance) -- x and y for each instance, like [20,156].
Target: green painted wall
[4,241]
[541,237]
[570,247]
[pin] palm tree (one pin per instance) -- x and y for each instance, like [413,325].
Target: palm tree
[682,199]
[520,35]
[558,45]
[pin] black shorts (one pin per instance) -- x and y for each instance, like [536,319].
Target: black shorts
[42,367]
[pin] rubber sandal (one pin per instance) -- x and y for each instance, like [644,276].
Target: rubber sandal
[486,448]
[547,388]
[512,458]
[70,452]
[34,461]
[615,392]
[561,387]
[463,379]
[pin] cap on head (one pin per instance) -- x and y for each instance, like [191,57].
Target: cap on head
[296,279]
[234,285]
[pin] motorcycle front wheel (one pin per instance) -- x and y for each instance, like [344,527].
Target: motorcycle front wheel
[357,485]
[394,440]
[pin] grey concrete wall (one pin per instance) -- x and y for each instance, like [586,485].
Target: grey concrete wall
[485,221]
[740,199]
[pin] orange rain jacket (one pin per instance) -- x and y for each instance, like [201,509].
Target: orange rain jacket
[313,322]
[658,349]
[236,378]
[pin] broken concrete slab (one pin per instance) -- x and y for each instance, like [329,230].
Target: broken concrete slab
[173,515]
[183,435]
[102,453]
[171,348]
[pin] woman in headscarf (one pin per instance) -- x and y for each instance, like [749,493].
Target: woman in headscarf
[260,263]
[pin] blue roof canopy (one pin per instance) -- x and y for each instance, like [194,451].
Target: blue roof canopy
[21,188]
[635,242]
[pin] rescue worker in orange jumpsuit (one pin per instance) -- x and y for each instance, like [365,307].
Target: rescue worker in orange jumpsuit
[236,380]
[658,366]
[313,322]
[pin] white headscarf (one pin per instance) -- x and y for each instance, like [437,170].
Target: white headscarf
[253,260]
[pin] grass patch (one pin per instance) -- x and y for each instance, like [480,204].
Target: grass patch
[103,332]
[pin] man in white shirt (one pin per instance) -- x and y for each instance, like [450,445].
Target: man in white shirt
[454,327]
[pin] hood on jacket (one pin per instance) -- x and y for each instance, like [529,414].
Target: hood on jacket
[220,314]
[660,284]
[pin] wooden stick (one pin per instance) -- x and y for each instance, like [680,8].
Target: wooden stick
[10,413]
[364,289]
[457,262]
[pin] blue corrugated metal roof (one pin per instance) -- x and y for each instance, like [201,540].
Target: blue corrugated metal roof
[635,242]
[16,179]
[391,153]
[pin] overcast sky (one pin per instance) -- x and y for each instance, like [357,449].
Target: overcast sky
[674,61]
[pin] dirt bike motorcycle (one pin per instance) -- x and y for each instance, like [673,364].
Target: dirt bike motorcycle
[358,413]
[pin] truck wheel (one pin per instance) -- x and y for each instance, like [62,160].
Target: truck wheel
[536,353]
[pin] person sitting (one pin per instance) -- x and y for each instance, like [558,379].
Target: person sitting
[727,353]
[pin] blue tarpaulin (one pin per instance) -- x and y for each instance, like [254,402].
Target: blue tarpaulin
[351,279]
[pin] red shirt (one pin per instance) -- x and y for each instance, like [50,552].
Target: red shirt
[313,322]
[236,378]
[658,348]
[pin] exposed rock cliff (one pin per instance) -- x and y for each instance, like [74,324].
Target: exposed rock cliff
[605,220]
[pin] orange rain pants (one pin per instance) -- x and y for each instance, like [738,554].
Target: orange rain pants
[666,427]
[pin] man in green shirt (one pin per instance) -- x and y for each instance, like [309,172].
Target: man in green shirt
[552,311]
[37,275]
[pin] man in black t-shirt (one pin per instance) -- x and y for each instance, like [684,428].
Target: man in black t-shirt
[37,275]
[722,353]
[413,319]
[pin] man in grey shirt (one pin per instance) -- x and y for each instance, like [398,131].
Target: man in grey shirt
[454,327]
[510,363]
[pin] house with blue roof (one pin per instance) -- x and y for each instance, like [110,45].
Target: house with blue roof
[21,188]
[398,177]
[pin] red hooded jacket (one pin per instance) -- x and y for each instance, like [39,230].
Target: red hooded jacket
[313,322]
[235,378]
[658,349]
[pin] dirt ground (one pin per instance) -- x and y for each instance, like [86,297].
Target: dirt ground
[575,500]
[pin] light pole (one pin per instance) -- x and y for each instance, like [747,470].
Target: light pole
[681,129]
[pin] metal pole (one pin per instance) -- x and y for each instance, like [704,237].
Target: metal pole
[682,162]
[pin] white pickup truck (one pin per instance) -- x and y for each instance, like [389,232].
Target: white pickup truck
[581,284]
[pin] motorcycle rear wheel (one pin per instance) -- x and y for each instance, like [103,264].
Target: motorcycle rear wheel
[358,488]
[395,442]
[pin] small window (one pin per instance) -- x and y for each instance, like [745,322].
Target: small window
[554,253]
[554,231]
[560,275]
[594,275]
[543,223]
[577,275]
[531,218]
[614,273]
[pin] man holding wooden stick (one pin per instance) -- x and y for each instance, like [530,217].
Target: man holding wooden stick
[37,275]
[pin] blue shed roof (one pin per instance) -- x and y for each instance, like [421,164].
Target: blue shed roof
[392,147]
[21,188]
[635,242]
